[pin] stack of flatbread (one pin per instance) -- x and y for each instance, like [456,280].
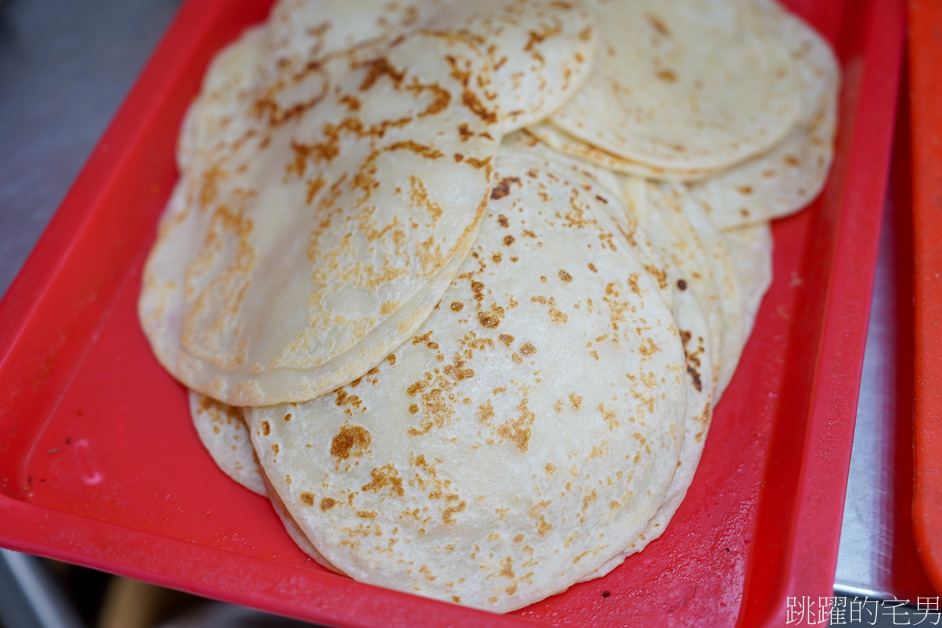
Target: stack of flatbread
[458,285]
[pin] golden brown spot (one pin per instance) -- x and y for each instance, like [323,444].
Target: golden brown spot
[608,415]
[350,440]
[556,315]
[352,102]
[517,429]
[380,67]
[307,499]
[385,476]
[667,76]
[413,409]
[344,399]
[487,411]
[480,163]
[659,274]
[593,268]
[457,306]
[695,376]
[791,160]
[448,515]
[506,339]
[471,101]
[288,417]
[502,220]
[502,189]
[657,25]
[681,284]
[575,400]
[507,568]
[492,318]
[508,240]
[457,373]
[266,428]
[565,276]
[440,99]
[209,186]
[648,348]
[527,348]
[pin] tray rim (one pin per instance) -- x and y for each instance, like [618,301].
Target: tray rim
[834,393]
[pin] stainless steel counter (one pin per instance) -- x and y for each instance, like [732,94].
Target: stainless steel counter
[65,67]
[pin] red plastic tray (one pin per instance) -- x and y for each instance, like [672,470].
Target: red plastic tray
[99,464]
[925,80]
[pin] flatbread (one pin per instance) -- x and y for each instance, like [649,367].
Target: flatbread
[690,85]
[676,199]
[541,50]
[750,249]
[627,223]
[687,276]
[790,175]
[469,466]
[234,73]
[293,260]
[569,145]
[223,433]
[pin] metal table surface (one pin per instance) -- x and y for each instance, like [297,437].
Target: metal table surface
[65,67]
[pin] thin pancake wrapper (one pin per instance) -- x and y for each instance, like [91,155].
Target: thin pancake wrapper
[541,49]
[689,85]
[750,248]
[569,145]
[790,175]
[687,278]
[222,431]
[292,259]
[471,465]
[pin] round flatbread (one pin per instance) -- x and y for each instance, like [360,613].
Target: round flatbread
[292,260]
[676,200]
[689,85]
[790,175]
[750,248]
[569,145]
[541,50]
[223,433]
[469,466]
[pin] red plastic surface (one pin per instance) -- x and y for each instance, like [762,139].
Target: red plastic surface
[99,464]
[925,79]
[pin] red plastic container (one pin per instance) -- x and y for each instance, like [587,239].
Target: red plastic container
[99,464]
[925,80]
